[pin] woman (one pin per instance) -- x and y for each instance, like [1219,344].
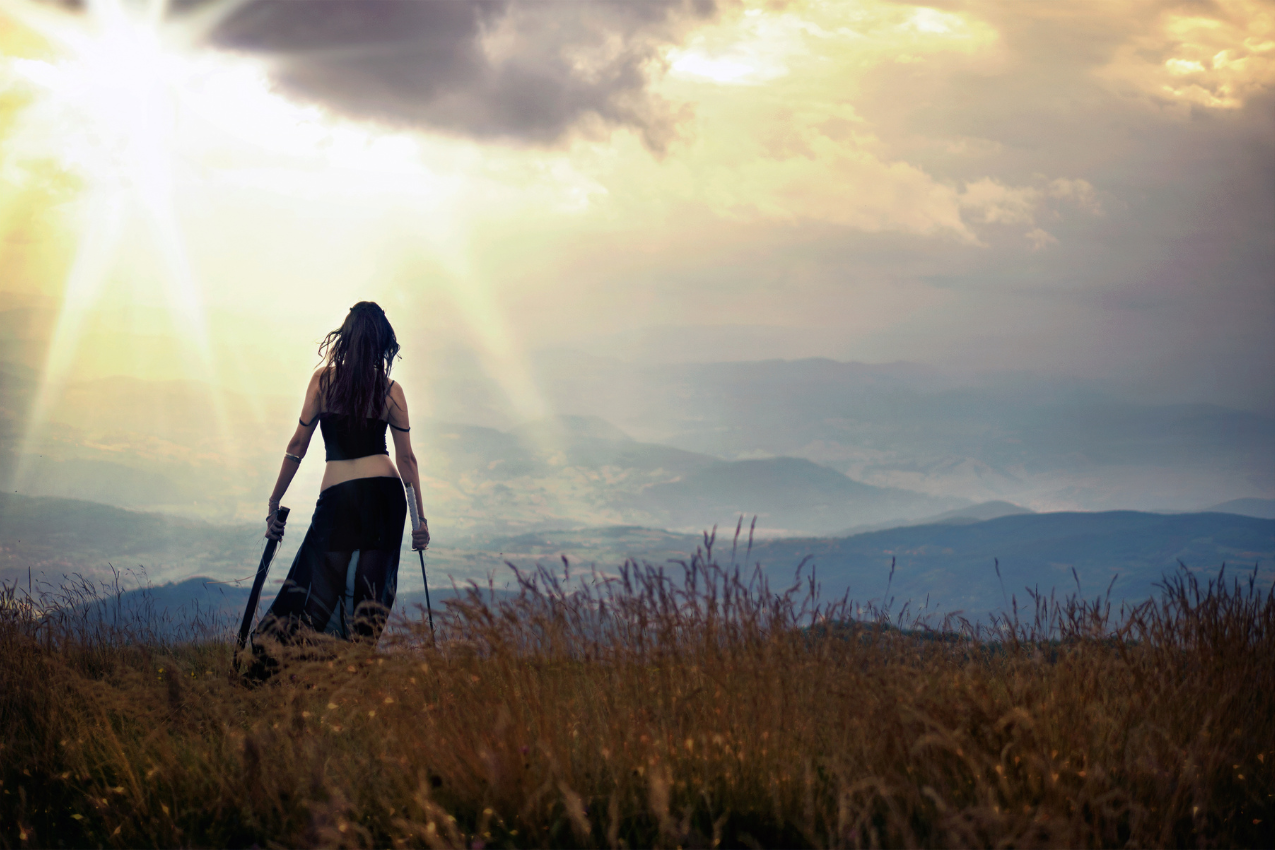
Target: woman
[345,574]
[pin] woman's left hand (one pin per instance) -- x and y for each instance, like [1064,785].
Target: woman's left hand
[420,535]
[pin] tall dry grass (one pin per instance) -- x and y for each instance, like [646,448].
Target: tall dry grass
[690,707]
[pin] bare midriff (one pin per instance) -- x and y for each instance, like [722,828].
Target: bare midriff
[372,466]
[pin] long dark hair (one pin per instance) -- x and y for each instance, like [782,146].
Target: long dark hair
[359,356]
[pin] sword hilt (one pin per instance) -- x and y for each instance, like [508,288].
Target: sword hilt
[411,508]
[416,523]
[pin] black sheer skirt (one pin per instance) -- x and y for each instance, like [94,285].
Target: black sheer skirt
[345,575]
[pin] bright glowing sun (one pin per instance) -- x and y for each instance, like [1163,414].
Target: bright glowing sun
[115,96]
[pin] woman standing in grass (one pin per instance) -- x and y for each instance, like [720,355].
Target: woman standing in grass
[345,574]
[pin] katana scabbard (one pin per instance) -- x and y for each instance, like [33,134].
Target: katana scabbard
[259,582]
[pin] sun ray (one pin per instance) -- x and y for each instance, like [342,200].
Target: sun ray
[54,24]
[136,105]
[195,27]
[488,325]
[94,254]
[115,76]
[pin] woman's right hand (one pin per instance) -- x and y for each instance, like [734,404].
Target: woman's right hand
[274,528]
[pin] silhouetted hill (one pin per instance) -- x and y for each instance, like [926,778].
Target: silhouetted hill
[201,605]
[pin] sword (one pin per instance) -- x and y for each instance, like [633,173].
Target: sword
[416,523]
[264,567]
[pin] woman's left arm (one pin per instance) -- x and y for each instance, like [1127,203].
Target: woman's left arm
[296,450]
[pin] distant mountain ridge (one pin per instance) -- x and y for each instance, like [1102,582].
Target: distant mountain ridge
[950,563]
[1034,440]
[582,471]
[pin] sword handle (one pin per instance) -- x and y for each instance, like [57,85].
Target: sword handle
[411,507]
[416,523]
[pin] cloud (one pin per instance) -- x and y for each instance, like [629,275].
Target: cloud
[991,202]
[1040,238]
[1216,55]
[521,69]
[995,203]
[898,178]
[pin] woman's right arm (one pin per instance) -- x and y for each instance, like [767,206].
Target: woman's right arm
[292,455]
[405,459]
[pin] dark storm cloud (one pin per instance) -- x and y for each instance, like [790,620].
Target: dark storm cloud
[522,69]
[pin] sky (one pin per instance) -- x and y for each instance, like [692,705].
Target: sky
[200,190]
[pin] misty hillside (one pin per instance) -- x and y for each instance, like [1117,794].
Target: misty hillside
[54,537]
[176,446]
[157,446]
[957,516]
[50,538]
[1040,442]
[976,513]
[555,427]
[954,564]
[786,494]
[812,447]
[63,537]
[1262,508]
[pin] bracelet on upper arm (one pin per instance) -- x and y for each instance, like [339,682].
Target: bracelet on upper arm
[297,458]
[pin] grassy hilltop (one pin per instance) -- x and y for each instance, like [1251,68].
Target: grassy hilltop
[707,711]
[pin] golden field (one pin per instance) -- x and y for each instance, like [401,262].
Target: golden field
[691,706]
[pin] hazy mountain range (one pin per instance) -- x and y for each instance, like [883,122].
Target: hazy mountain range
[811,447]
[950,563]
[851,463]
[1046,443]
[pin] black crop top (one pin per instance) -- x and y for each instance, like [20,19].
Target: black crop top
[343,441]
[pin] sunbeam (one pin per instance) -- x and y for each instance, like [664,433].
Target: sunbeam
[106,111]
[156,126]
